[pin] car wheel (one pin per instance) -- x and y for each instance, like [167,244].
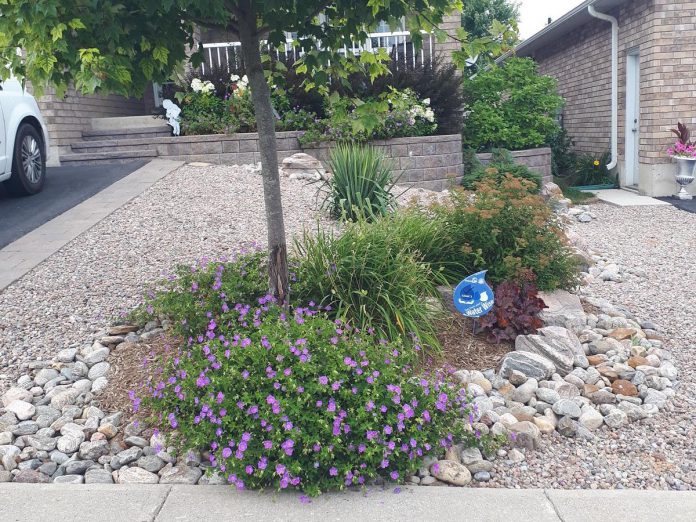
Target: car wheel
[28,163]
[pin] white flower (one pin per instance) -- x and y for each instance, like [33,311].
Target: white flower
[234,78]
[196,85]
[208,87]
[429,115]
[426,101]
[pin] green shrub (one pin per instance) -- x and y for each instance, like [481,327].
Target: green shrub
[502,164]
[392,114]
[589,169]
[510,106]
[195,293]
[371,278]
[361,183]
[296,400]
[511,232]
[204,113]
[563,158]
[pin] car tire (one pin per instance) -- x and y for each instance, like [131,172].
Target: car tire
[28,162]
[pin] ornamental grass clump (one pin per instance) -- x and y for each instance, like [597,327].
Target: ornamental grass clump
[294,399]
[372,277]
[361,183]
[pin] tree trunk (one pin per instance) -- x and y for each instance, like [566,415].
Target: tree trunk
[265,121]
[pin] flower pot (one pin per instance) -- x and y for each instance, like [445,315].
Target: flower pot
[684,176]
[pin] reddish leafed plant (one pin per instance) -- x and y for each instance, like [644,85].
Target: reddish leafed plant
[516,312]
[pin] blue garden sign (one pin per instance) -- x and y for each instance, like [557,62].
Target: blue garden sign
[473,297]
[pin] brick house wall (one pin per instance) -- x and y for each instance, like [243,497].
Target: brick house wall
[664,34]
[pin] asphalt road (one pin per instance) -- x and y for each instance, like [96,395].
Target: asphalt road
[65,187]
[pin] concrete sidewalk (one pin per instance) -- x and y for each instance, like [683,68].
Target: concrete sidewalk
[149,503]
[19,257]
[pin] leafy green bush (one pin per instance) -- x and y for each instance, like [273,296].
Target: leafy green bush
[563,158]
[511,232]
[203,113]
[502,163]
[372,278]
[361,183]
[511,106]
[392,114]
[589,170]
[296,400]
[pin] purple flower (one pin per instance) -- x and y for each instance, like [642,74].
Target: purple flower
[394,475]
[226,453]
[280,469]
[323,380]
[333,472]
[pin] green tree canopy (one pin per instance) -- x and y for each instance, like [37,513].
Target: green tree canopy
[120,45]
[478,15]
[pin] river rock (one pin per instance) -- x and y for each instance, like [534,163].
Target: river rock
[591,418]
[181,475]
[563,309]
[98,476]
[16,394]
[136,476]
[530,364]
[552,347]
[303,166]
[566,408]
[100,369]
[23,410]
[623,387]
[451,472]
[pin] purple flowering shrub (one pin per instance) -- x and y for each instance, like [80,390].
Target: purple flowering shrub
[296,399]
[189,295]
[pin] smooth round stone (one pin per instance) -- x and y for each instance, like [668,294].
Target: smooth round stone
[99,385]
[23,410]
[181,475]
[151,463]
[78,467]
[98,476]
[136,476]
[70,443]
[69,479]
[83,385]
[67,355]
[482,476]
[45,375]
[567,408]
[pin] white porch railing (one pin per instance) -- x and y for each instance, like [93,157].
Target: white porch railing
[398,44]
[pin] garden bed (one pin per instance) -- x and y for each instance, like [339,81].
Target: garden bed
[135,449]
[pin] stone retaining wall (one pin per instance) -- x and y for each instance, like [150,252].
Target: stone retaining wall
[429,162]
[538,160]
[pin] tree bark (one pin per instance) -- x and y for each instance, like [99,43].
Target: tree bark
[265,122]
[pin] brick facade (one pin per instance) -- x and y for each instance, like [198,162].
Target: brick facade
[664,34]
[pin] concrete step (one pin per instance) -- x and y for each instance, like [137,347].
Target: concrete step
[161,131]
[119,123]
[113,145]
[96,158]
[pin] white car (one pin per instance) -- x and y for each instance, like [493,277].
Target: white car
[23,140]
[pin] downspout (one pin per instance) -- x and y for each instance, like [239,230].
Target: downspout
[614,82]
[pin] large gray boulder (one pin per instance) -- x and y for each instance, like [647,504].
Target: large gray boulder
[555,348]
[563,309]
[531,364]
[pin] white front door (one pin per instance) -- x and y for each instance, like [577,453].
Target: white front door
[632,118]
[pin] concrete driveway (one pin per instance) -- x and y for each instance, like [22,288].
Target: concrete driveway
[65,187]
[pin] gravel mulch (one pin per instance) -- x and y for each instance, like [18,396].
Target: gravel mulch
[193,212]
[659,452]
